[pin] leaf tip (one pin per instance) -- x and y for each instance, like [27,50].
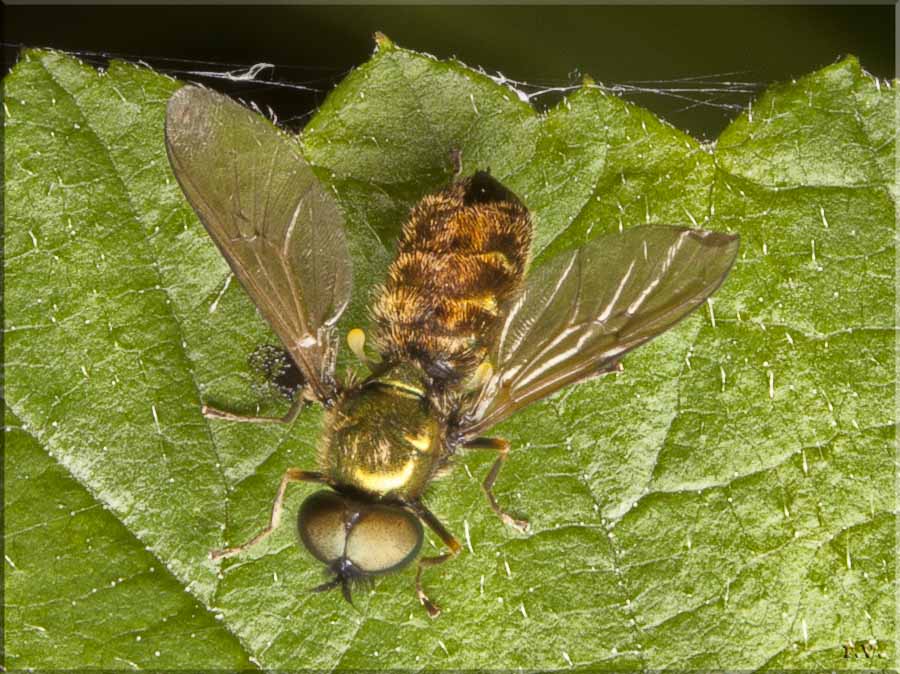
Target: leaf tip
[849,60]
[846,63]
[587,82]
[382,42]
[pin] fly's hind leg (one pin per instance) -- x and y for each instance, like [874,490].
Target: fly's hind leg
[296,407]
[456,161]
[448,539]
[290,475]
[500,446]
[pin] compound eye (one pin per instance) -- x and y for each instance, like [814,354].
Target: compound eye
[322,525]
[384,539]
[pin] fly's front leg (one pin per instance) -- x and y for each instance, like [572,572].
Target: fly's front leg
[290,475]
[448,539]
[296,407]
[500,446]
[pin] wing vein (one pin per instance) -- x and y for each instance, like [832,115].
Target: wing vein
[624,289]
[288,251]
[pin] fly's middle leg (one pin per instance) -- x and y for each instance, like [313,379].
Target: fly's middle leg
[500,446]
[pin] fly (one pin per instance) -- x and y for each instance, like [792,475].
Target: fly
[461,336]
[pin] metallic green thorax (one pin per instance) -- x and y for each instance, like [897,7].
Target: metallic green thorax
[383,438]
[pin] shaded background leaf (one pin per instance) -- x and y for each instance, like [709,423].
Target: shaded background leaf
[88,593]
[726,502]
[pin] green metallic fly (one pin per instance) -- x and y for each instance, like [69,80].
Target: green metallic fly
[463,338]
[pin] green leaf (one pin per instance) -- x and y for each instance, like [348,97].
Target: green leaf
[81,590]
[726,502]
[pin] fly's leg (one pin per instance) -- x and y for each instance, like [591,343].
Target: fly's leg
[449,540]
[500,446]
[456,161]
[290,475]
[278,367]
[296,407]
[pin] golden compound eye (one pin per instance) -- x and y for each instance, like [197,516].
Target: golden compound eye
[322,525]
[383,539]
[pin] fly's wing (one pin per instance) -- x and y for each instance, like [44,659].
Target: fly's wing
[582,311]
[278,227]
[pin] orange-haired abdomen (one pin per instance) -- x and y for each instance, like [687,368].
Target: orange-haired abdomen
[461,256]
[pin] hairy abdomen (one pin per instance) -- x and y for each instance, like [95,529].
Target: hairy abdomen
[461,256]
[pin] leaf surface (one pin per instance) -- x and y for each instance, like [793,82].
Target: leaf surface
[726,502]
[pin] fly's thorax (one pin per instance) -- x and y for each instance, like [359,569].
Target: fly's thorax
[382,439]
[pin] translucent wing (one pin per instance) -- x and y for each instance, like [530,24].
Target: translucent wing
[278,227]
[583,310]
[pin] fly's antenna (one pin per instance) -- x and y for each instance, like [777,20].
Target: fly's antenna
[345,590]
[343,581]
[328,585]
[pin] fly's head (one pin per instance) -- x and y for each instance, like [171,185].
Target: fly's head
[356,539]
